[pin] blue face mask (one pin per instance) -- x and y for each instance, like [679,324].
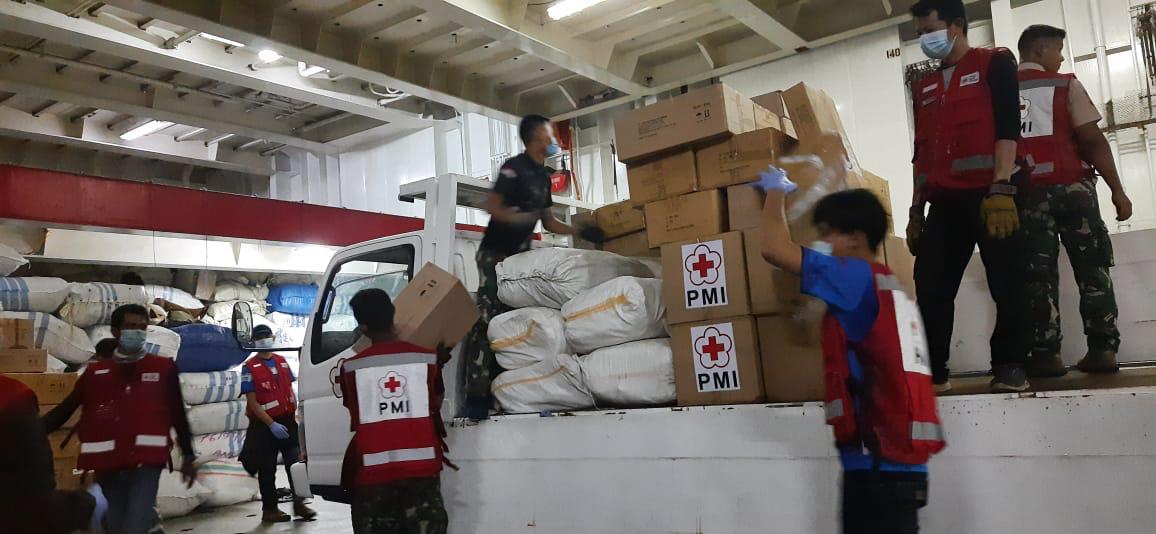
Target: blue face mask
[266,343]
[936,44]
[131,343]
[553,150]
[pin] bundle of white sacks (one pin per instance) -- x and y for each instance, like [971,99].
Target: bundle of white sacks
[588,332]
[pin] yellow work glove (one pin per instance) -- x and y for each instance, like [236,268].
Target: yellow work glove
[999,212]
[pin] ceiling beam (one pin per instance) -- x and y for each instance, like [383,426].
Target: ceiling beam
[550,41]
[658,24]
[598,23]
[762,23]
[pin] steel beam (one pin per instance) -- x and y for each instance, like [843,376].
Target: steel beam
[762,23]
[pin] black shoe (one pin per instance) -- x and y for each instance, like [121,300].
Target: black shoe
[478,408]
[1009,379]
[1099,361]
[1046,366]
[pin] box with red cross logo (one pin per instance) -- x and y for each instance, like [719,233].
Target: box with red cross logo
[705,279]
[717,362]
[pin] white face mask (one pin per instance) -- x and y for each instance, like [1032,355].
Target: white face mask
[823,247]
[266,343]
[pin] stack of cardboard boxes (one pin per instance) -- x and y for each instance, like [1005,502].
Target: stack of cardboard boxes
[741,331]
[20,361]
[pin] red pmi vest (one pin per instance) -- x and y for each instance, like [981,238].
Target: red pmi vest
[1047,135]
[125,420]
[394,393]
[274,389]
[898,421]
[955,126]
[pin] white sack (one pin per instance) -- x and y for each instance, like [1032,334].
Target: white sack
[32,294]
[217,417]
[159,341]
[552,385]
[550,277]
[209,447]
[222,312]
[229,290]
[62,340]
[10,260]
[175,498]
[228,483]
[290,329]
[622,310]
[524,337]
[631,375]
[176,296]
[203,388]
[93,304]
[23,239]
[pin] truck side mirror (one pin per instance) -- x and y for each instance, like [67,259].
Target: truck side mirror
[243,324]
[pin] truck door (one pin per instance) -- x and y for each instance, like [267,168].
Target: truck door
[387,265]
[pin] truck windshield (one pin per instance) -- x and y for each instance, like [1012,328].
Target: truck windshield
[388,269]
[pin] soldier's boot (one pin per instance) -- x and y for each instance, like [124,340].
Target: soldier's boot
[1046,365]
[302,511]
[1099,361]
[275,516]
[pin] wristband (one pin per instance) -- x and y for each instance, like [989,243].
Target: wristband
[1002,188]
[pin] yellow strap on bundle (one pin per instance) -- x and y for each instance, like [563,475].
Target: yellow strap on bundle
[507,342]
[608,304]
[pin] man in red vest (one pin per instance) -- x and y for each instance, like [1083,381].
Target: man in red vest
[1060,132]
[966,127]
[131,402]
[879,398]
[267,384]
[394,392]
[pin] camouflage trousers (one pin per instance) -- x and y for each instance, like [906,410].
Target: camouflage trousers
[481,367]
[412,506]
[1069,214]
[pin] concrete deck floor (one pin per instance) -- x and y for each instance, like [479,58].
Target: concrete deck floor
[332,518]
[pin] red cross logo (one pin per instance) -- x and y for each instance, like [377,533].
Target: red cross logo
[392,386]
[1025,105]
[703,265]
[714,349]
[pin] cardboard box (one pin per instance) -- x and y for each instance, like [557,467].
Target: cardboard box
[662,178]
[873,183]
[791,356]
[620,218]
[70,423]
[700,115]
[773,290]
[744,207]
[739,160]
[717,362]
[813,112]
[67,478]
[580,220]
[50,388]
[634,245]
[16,333]
[434,308]
[901,262]
[206,285]
[789,128]
[60,449]
[773,102]
[23,360]
[705,279]
[686,217]
[765,118]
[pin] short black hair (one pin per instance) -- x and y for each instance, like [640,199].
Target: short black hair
[529,127]
[119,314]
[949,11]
[131,279]
[1037,32]
[374,309]
[106,347]
[261,331]
[854,210]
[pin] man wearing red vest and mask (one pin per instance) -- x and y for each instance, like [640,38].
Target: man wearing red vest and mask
[1059,133]
[966,127]
[879,400]
[130,403]
[267,383]
[394,392]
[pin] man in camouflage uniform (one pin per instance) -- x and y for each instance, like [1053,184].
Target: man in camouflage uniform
[519,200]
[1063,206]
[411,506]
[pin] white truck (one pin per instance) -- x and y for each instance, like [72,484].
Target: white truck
[1056,462]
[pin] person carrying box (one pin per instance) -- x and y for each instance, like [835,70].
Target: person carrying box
[879,398]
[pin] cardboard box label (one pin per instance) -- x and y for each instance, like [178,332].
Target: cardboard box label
[912,339]
[704,275]
[715,366]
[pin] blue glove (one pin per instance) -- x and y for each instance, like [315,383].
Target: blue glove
[279,431]
[774,179]
[99,509]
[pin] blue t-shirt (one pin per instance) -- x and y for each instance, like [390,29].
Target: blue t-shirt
[247,376]
[847,286]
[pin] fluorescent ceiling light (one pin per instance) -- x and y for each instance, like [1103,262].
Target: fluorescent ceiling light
[152,126]
[222,40]
[268,56]
[565,8]
[308,70]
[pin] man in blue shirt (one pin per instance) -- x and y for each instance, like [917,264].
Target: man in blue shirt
[880,495]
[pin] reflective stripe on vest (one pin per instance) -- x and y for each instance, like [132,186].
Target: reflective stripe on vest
[887,282]
[984,162]
[354,365]
[921,431]
[398,455]
[96,447]
[145,440]
[833,409]
[270,405]
[1044,82]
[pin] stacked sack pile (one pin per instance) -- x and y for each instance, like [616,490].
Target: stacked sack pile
[587,331]
[741,331]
